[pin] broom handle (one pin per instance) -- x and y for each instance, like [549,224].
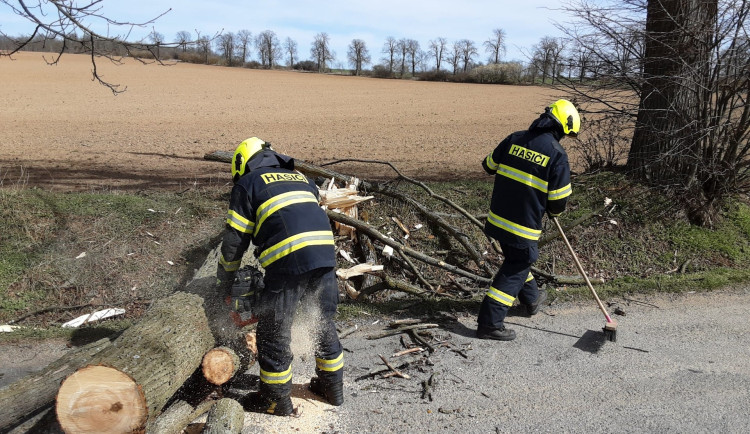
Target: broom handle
[580,269]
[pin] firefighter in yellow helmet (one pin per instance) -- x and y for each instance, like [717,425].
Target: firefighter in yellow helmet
[532,176]
[276,209]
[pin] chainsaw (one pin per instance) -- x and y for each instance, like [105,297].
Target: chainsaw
[244,296]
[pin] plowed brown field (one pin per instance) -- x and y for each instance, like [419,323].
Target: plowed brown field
[60,130]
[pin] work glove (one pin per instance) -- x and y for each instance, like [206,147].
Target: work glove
[245,290]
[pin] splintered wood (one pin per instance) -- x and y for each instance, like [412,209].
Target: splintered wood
[343,200]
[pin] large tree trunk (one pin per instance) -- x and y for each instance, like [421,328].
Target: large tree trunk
[26,396]
[666,146]
[129,382]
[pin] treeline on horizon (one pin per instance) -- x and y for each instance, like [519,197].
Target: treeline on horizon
[403,59]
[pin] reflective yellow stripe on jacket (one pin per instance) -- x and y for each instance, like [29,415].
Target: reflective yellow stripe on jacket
[490,162]
[240,223]
[280,201]
[560,193]
[523,177]
[276,377]
[515,228]
[330,365]
[229,266]
[500,296]
[294,243]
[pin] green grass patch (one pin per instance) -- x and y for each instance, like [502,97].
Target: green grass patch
[69,249]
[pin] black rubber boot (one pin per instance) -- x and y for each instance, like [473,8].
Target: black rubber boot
[332,392]
[533,308]
[500,334]
[258,403]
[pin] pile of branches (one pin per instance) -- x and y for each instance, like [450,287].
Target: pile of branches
[385,262]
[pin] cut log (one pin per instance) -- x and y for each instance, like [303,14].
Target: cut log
[31,393]
[226,416]
[129,382]
[174,419]
[219,365]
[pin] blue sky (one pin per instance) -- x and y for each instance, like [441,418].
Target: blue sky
[525,22]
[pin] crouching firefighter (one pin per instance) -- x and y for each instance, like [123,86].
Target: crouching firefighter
[276,209]
[532,176]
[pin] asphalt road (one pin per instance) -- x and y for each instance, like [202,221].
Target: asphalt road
[680,364]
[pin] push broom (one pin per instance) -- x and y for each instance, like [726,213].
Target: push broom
[610,328]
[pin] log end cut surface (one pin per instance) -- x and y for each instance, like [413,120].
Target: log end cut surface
[219,365]
[100,399]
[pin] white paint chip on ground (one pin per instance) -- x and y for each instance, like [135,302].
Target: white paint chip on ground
[387,251]
[82,255]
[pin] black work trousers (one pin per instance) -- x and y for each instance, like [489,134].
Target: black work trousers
[315,291]
[512,281]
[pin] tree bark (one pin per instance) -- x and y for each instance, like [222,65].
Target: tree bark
[129,382]
[26,396]
[666,145]
[226,417]
[175,418]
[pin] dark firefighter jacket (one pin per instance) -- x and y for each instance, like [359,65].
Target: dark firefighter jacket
[532,175]
[277,210]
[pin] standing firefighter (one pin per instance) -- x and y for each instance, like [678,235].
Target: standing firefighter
[532,176]
[276,208]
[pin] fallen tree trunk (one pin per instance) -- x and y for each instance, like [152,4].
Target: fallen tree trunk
[129,382]
[26,396]
[226,417]
[219,365]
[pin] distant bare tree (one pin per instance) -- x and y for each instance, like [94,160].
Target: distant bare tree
[321,51]
[269,49]
[495,45]
[468,50]
[545,54]
[183,39]
[402,50]
[358,55]
[390,48]
[204,47]
[158,40]
[437,51]
[244,41]
[61,20]
[454,56]
[290,48]
[226,45]
[412,50]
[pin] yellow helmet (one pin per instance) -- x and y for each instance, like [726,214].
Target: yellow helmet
[244,152]
[566,114]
